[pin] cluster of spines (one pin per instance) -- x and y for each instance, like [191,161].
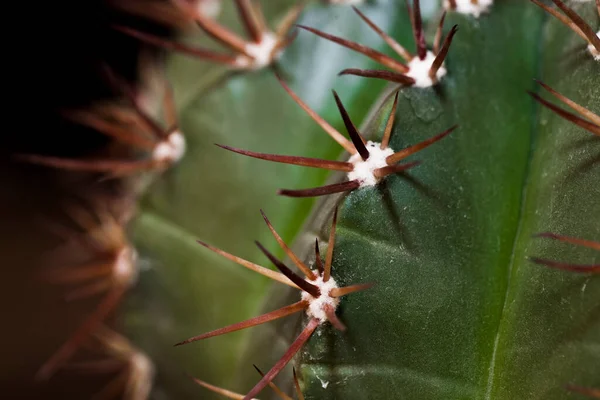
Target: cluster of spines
[129,125]
[319,297]
[262,47]
[423,69]
[108,271]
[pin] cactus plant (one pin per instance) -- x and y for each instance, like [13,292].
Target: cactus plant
[470,297]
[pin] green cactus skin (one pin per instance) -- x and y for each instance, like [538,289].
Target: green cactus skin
[458,312]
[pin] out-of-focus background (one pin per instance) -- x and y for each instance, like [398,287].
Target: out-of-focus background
[53,54]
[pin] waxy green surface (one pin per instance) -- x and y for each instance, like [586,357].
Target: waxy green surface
[458,311]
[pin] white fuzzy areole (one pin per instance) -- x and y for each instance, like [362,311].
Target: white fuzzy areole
[467,7]
[209,8]
[419,70]
[363,170]
[124,271]
[593,50]
[142,364]
[316,305]
[261,52]
[171,149]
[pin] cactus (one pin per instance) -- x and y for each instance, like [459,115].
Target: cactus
[459,227]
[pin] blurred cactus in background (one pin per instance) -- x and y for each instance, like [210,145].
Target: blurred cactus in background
[430,172]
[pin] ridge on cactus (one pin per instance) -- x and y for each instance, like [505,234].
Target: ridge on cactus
[112,271]
[132,127]
[319,298]
[369,161]
[424,69]
[576,24]
[261,49]
[473,7]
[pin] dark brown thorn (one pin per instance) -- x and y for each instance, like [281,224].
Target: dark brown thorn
[567,267]
[587,30]
[475,2]
[215,389]
[389,76]
[581,110]
[339,292]
[89,290]
[394,169]
[585,124]
[438,34]
[357,140]
[322,190]
[260,16]
[104,366]
[367,51]
[83,273]
[441,56]
[301,265]
[402,154]
[418,30]
[101,312]
[331,131]
[387,134]
[452,4]
[297,385]
[89,165]
[214,29]
[586,391]
[318,260]
[119,84]
[261,319]
[565,20]
[273,386]
[333,319]
[276,276]
[301,283]
[294,160]
[201,53]
[114,388]
[397,47]
[249,19]
[113,130]
[289,354]
[330,246]
[170,107]
[580,242]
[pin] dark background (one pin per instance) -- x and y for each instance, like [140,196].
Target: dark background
[52,54]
